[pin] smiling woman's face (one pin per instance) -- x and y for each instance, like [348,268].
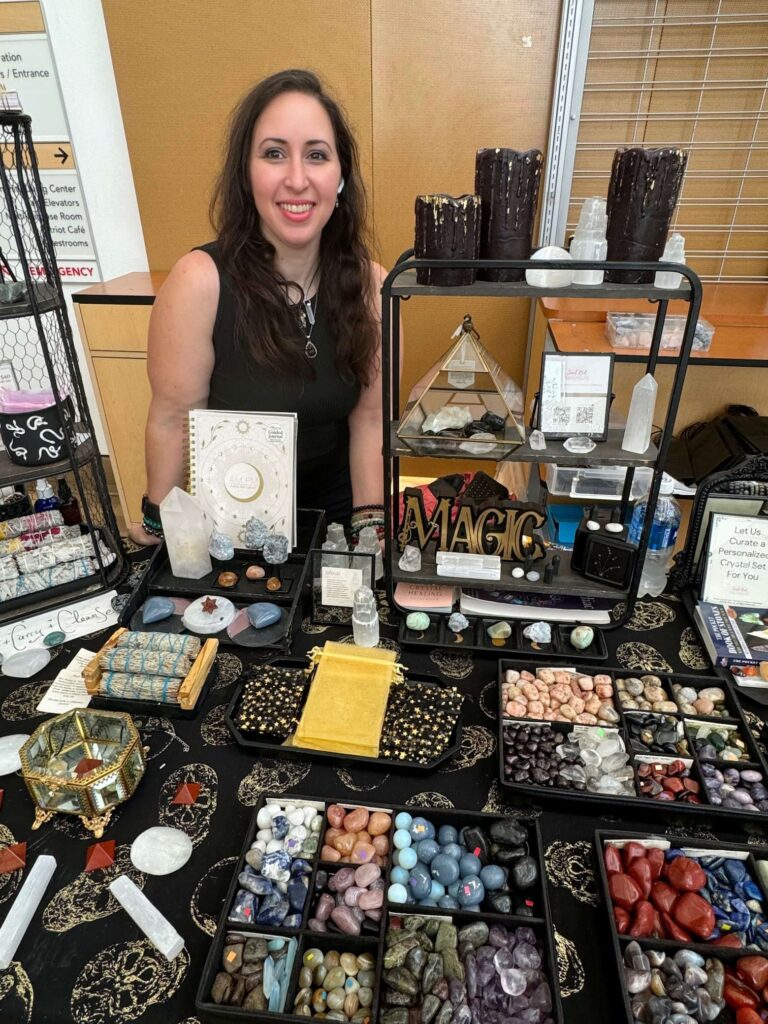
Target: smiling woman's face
[294,170]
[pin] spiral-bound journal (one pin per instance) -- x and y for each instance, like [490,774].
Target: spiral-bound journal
[243,465]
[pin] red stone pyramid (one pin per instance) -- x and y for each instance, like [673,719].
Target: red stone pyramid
[87,764]
[13,857]
[100,855]
[187,793]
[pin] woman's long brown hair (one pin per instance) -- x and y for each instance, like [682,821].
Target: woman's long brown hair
[266,327]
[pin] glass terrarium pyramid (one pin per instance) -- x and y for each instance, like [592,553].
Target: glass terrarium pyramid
[465,404]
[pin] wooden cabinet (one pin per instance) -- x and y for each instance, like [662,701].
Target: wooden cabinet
[114,320]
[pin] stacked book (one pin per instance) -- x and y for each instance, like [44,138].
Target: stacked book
[737,639]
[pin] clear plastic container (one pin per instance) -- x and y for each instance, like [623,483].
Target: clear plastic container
[661,543]
[635,330]
[596,482]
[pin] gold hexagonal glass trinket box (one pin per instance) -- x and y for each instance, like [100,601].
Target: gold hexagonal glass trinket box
[84,762]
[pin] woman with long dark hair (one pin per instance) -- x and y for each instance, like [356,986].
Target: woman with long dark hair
[282,311]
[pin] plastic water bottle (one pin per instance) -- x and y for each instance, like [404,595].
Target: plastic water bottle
[661,543]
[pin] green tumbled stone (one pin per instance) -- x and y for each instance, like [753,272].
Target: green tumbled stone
[394,1017]
[429,1008]
[475,934]
[417,620]
[401,980]
[499,630]
[582,637]
[446,937]
[446,1012]
[453,966]
[433,971]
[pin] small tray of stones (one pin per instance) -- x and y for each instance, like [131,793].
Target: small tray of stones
[422,725]
[524,638]
[237,581]
[688,922]
[677,743]
[320,923]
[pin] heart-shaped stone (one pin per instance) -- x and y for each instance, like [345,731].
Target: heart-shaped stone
[263,614]
[155,609]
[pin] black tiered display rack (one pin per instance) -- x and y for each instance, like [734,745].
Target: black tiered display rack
[36,339]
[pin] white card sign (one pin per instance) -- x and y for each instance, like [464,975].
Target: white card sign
[736,569]
[574,396]
[81,619]
[339,586]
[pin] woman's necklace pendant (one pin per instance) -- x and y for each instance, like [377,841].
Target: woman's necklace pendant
[310,349]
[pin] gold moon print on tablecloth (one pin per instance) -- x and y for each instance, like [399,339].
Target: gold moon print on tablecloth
[488,700]
[689,831]
[430,799]
[570,970]
[17,997]
[309,627]
[646,615]
[385,612]
[494,804]
[120,983]
[214,730]
[452,664]
[88,898]
[157,734]
[11,880]
[347,779]
[477,742]
[194,819]
[212,887]
[229,667]
[270,775]
[690,651]
[569,865]
[641,657]
[22,702]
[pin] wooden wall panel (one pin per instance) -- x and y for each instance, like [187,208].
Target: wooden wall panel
[181,67]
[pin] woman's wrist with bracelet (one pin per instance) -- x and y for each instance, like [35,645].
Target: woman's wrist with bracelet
[367,515]
[151,519]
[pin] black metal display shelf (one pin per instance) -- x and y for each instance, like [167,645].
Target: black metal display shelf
[522,290]
[373,942]
[158,580]
[401,285]
[566,582]
[606,453]
[475,638]
[13,473]
[265,748]
[639,804]
[45,300]
[727,954]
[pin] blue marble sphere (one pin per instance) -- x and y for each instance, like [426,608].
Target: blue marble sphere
[420,882]
[403,820]
[444,869]
[420,828]
[436,891]
[453,850]
[427,850]
[408,858]
[470,865]
[402,838]
[448,902]
[447,834]
[399,876]
[397,893]
[471,892]
[493,877]
[453,888]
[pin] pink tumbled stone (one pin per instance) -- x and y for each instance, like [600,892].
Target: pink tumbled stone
[586,683]
[585,719]
[325,905]
[342,880]
[352,895]
[329,854]
[562,677]
[346,920]
[371,900]
[527,676]
[316,926]
[366,874]
[535,709]
[511,675]
[374,915]
[362,853]
[602,678]
[603,691]
[516,709]
[546,675]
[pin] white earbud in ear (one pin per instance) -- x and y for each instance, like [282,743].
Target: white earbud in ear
[341,186]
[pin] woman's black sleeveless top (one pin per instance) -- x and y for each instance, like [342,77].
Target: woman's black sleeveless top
[322,405]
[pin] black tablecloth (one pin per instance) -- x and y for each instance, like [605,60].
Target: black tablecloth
[84,960]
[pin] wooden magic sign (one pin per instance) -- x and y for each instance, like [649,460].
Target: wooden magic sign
[506,531]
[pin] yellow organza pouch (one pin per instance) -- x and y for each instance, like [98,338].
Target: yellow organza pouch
[347,700]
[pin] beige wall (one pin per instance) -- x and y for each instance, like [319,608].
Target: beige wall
[425,82]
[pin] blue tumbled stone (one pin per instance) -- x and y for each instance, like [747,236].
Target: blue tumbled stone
[493,877]
[453,850]
[445,869]
[155,609]
[279,859]
[471,892]
[297,894]
[274,910]
[302,867]
[243,908]
[420,829]
[447,834]
[420,882]
[428,902]
[448,902]
[469,865]
[735,870]
[427,850]
[263,614]
[280,826]
[292,921]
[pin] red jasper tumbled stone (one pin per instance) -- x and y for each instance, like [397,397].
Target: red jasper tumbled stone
[622,919]
[737,994]
[746,1015]
[632,851]
[694,913]
[686,874]
[624,890]
[663,896]
[673,929]
[640,870]
[656,861]
[612,859]
[642,926]
[728,940]
[753,970]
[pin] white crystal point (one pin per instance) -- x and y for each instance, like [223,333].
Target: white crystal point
[450,417]
[550,278]
[24,906]
[9,752]
[410,560]
[26,664]
[186,530]
[579,445]
[160,850]
[479,444]
[537,441]
[637,433]
[157,928]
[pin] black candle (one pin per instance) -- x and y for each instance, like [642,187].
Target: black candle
[508,184]
[645,186]
[447,228]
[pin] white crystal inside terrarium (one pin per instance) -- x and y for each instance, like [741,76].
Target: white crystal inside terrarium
[465,393]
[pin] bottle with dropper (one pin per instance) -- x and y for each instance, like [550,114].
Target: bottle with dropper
[589,241]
